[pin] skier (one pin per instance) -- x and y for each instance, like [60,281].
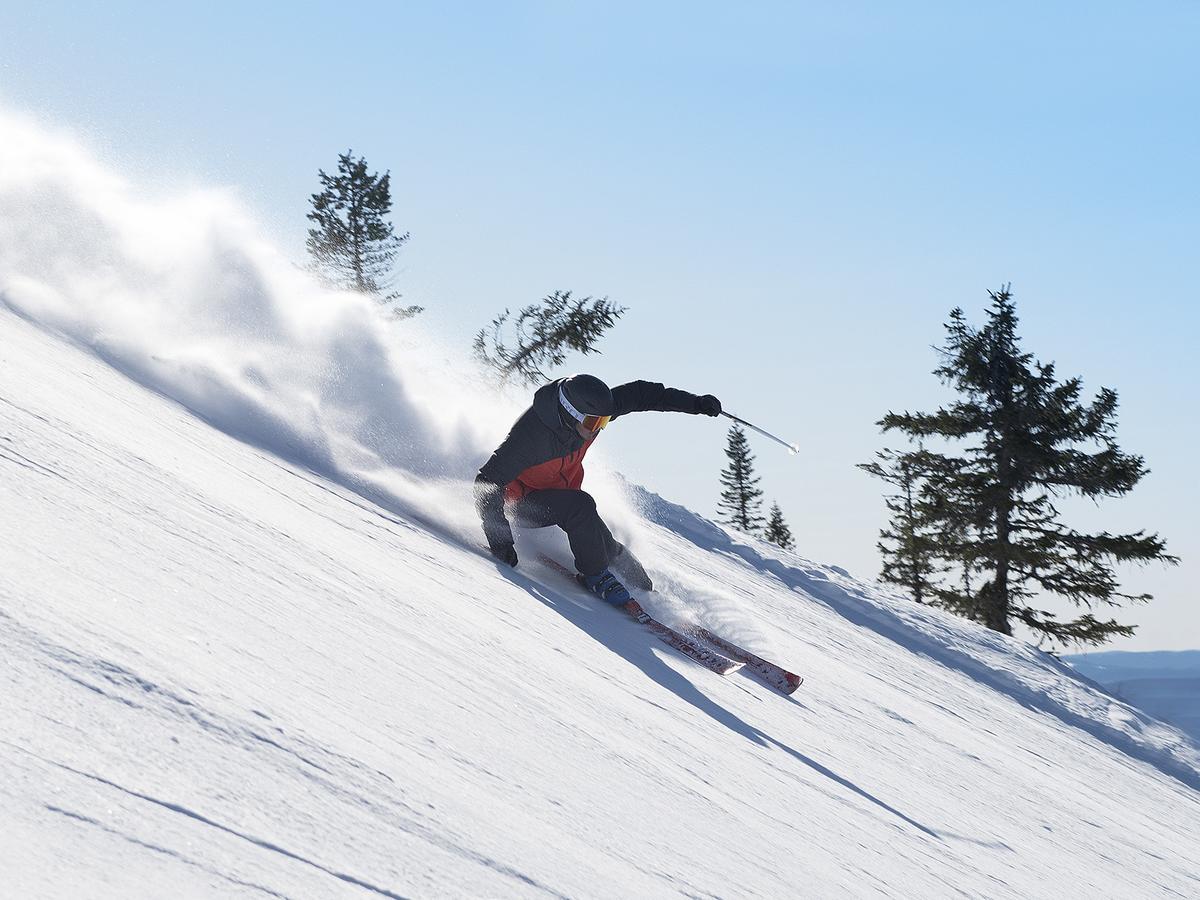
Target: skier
[536,474]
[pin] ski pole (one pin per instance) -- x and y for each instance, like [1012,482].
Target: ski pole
[792,448]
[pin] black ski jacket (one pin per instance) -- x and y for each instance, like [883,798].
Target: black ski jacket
[545,432]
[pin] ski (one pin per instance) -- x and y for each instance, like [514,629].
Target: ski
[689,647]
[774,675]
[710,659]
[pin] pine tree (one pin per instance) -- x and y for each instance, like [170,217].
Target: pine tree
[909,546]
[542,334]
[352,245]
[777,531]
[741,501]
[988,514]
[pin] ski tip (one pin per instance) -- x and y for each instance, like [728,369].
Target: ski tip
[793,681]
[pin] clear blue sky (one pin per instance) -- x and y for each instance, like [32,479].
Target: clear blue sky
[788,197]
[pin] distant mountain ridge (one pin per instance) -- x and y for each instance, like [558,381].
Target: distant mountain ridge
[1164,683]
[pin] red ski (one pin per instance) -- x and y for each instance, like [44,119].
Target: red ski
[681,642]
[775,675]
[686,645]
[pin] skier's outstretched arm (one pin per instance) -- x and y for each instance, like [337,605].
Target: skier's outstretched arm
[646,396]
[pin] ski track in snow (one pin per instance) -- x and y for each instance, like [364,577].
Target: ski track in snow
[332,774]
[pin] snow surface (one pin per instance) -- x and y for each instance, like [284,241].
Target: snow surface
[249,644]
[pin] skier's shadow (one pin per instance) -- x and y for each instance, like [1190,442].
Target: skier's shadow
[636,646]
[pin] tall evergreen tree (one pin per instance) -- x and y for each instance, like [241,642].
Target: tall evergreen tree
[1030,440]
[352,245]
[543,333]
[741,500]
[777,531]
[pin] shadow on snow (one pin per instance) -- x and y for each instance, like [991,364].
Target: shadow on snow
[613,631]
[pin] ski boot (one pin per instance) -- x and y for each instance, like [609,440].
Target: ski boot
[607,587]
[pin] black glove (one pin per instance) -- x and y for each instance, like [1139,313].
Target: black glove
[505,552]
[708,405]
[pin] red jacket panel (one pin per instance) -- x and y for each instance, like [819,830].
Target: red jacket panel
[566,472]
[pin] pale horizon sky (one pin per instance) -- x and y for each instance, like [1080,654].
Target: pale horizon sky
[788,198]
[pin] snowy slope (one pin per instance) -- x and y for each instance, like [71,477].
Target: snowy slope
[223,673]
[249,646]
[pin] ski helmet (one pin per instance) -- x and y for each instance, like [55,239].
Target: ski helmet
[586,400]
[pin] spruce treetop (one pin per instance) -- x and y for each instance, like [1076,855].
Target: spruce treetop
[741,500]
[777,531]
[543,333]
[352,245]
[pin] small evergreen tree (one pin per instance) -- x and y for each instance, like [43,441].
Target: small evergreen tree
[989,514]
[741,500]
[777,531]
[543,333]
[352,245]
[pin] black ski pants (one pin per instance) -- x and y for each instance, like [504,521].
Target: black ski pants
[573,511]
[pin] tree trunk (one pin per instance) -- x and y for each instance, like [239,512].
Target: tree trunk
[998,605]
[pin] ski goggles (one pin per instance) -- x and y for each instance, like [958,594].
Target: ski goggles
[594,424]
